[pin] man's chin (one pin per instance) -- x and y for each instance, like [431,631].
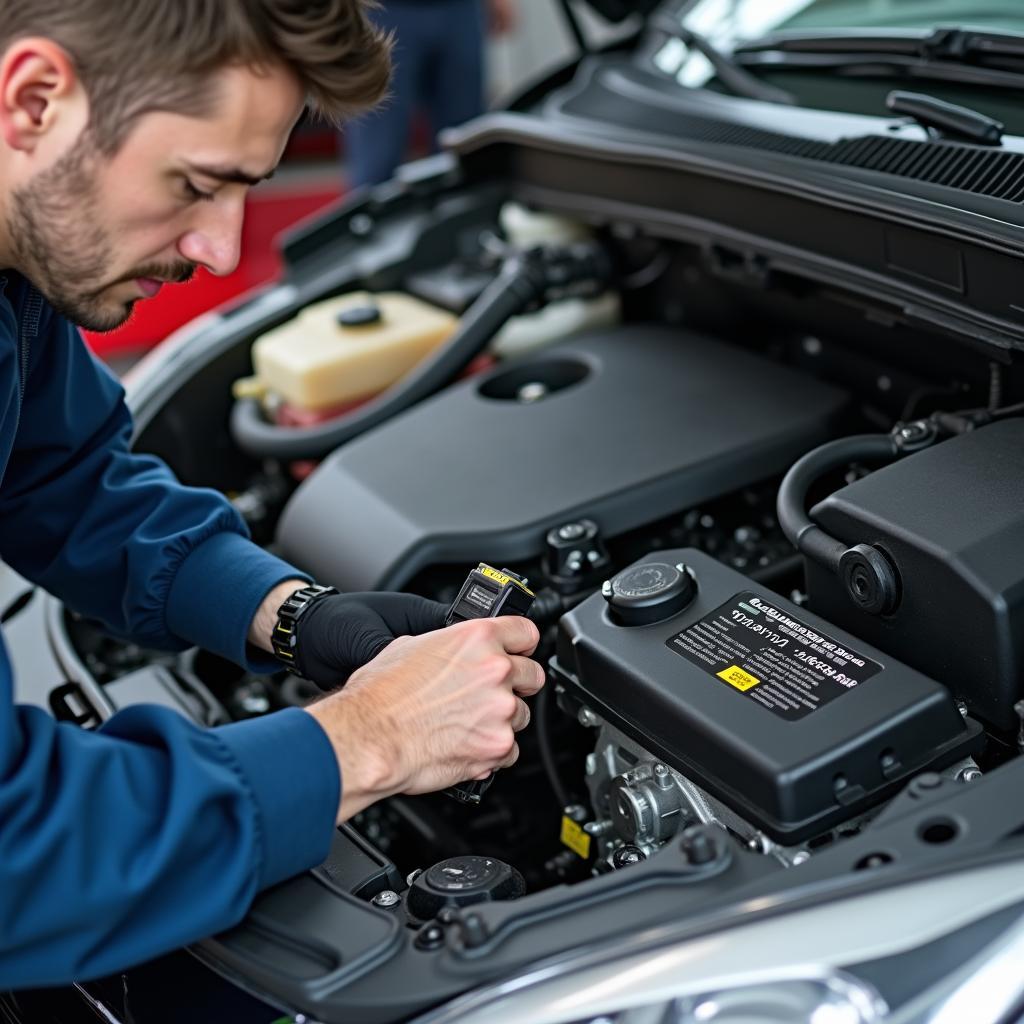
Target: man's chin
[97,317]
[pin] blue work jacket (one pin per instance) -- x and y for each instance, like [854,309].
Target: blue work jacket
[150,832]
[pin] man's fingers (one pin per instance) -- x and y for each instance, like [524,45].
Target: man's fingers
[407,614]
[521,719]
[517,634]
[513,756]
[527,677]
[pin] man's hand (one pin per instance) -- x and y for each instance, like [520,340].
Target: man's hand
[340,633]
[432,710]
[343,632]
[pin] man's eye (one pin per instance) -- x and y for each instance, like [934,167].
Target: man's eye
[197,193]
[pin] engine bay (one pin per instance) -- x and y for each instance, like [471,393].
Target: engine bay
[769,521]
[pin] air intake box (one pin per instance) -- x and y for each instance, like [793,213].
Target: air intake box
[951,519]
[788,720]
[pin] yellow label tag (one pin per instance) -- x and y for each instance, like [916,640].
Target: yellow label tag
[735,676]
[575,838]
[503,579]
[493,574]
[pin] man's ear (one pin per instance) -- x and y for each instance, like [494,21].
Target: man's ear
[38,88]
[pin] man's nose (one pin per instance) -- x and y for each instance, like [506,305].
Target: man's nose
[214,241]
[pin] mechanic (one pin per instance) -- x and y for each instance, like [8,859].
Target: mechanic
[130,133]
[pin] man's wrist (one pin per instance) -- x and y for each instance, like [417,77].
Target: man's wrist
[368,771]
[265,619]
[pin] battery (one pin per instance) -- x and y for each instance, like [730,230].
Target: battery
[788,720]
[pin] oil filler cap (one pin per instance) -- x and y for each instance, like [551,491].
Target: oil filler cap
[649,592]
[460,882]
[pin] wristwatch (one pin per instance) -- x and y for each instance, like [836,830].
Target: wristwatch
[284,637]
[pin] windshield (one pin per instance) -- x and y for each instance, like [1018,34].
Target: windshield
[727,24]
[745,19]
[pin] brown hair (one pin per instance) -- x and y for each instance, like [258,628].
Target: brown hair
[135,56]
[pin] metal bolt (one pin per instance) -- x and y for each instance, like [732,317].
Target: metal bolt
[386,898]
[361,224]
[532,392]
[575,812]
[571,531]
[969,775]
[591,764]
[626,856]
[588,719]
[596,829]
[430,936]
[800,857]
[254,702]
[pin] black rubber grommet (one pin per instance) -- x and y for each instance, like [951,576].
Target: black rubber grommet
[869,579]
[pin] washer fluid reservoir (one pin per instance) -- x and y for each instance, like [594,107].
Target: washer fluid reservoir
[348,347]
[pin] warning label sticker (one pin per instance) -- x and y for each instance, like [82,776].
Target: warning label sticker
[771,657]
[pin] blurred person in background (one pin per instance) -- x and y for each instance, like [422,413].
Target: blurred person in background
[438,70]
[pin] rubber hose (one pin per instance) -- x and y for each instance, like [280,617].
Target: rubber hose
[544,747]
[512,291]
[791,507]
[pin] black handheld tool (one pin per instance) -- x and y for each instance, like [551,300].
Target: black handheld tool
[487,592]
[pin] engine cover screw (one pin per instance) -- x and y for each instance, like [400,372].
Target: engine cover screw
[970,774]
[698,847]
[386,898]
[474,931]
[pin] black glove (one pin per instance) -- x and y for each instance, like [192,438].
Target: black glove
[341,632]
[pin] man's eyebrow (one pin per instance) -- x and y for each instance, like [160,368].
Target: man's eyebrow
[232,174]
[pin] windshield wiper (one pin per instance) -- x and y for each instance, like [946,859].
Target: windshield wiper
[735,78]
[966,55]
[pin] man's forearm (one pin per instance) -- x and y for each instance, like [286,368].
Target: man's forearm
[266,616]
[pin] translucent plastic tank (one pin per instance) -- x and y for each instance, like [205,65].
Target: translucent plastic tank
[349,347]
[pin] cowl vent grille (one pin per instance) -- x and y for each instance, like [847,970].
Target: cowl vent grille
[986,172]
[981,170]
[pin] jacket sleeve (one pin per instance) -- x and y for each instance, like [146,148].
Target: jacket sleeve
[111,532]
[123,844]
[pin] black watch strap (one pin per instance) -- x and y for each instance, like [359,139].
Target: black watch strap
[284,638]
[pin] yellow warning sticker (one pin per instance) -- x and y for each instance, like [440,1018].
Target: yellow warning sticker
[500,577]
[735,676]
[575,838]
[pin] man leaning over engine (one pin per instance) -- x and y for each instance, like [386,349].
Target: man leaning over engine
[130,133]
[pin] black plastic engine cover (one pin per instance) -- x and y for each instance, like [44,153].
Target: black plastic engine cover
[791,722]
[637,422]
[951,519]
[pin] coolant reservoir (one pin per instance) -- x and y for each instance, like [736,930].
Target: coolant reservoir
[348,347]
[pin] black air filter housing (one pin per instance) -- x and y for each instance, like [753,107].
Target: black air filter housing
[623,426]
[951,519]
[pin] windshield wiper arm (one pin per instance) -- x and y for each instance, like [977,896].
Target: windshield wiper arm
[735,78]
[947,120]
[950,47]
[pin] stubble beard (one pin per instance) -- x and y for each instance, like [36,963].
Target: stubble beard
[59,243]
